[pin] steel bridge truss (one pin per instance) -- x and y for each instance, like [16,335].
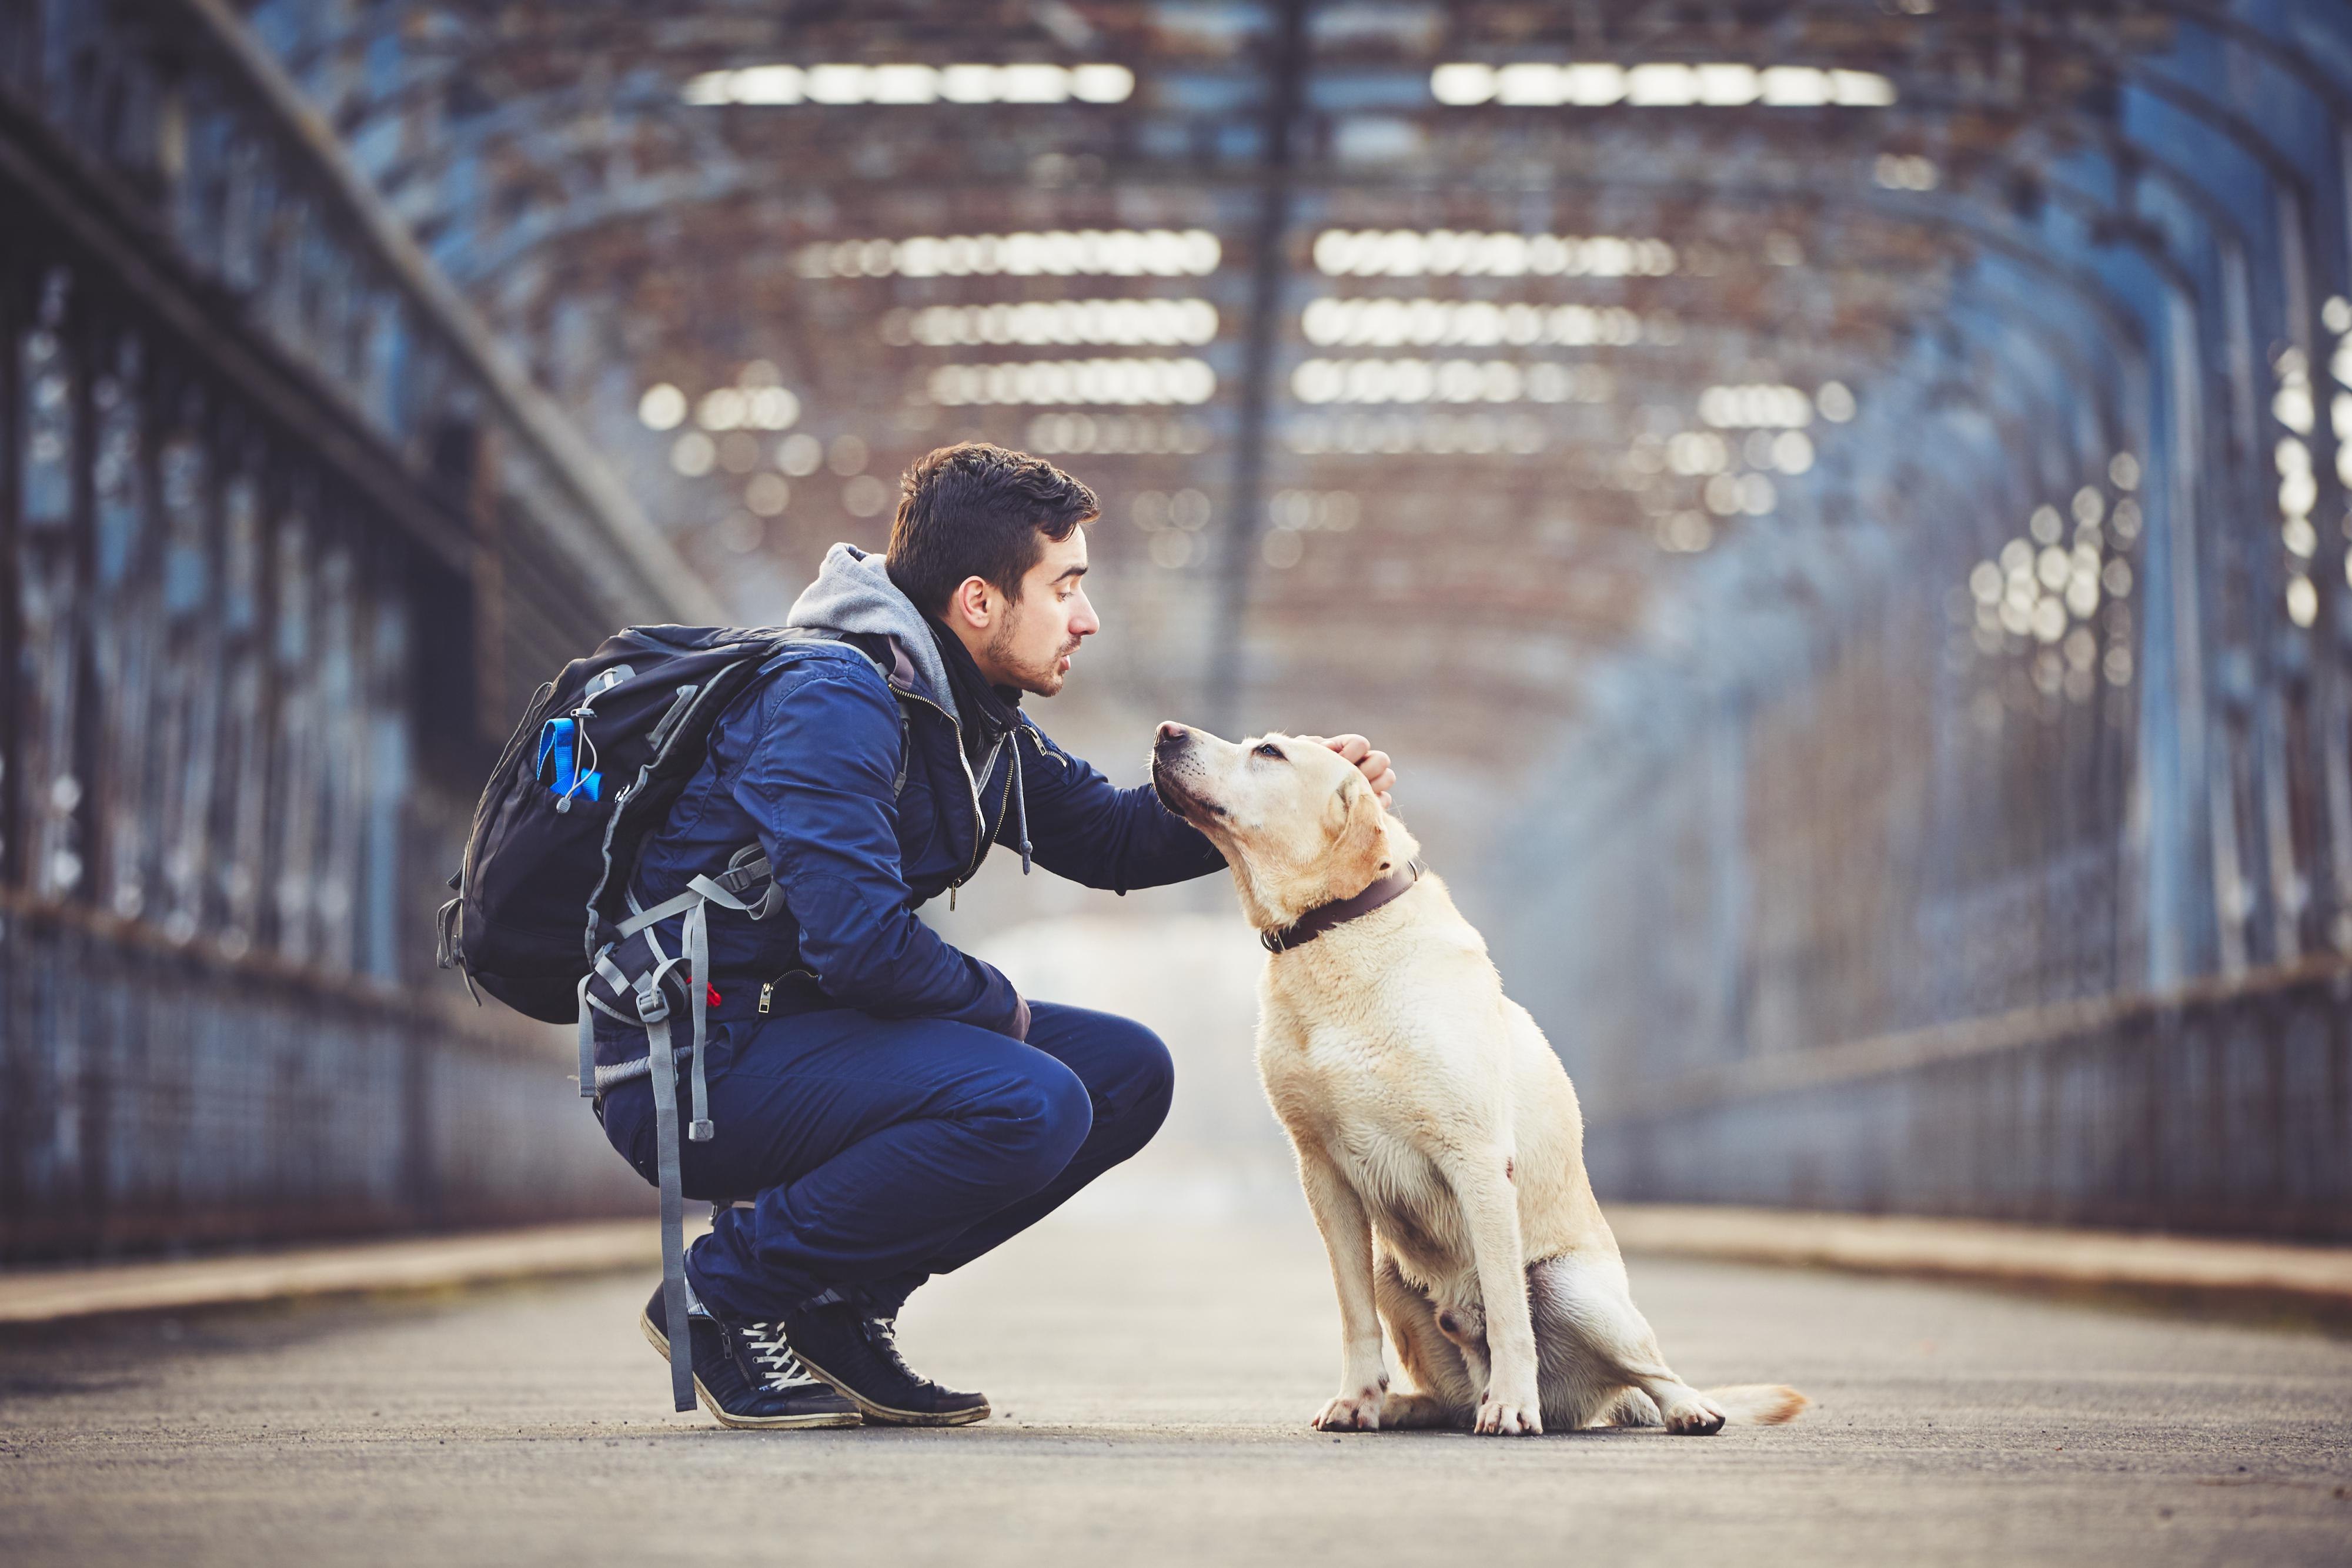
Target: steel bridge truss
[278,537]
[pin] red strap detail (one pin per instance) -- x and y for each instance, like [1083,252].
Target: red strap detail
[714,992]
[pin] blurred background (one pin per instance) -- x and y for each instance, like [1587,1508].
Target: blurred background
[1837,507]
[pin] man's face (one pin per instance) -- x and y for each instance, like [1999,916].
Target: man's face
[1031,644]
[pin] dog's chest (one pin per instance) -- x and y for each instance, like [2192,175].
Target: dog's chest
[1335,1080]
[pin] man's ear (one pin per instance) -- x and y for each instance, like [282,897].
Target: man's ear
[970,603]
[1357,840]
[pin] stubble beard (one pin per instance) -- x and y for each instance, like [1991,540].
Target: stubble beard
[1038,682]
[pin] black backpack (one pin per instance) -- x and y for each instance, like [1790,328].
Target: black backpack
[600,757]
[543,910]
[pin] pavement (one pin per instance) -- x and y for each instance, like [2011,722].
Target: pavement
[1152,1379]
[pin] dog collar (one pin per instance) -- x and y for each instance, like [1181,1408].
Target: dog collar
[1316,921]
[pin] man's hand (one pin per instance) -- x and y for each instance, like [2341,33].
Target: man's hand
[1374,765]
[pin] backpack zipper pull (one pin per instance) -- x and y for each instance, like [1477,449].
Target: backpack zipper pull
[951,893]
[767,989]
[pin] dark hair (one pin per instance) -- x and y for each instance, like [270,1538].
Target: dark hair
[976,510]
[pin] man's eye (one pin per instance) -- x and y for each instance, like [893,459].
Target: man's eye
[1269,748]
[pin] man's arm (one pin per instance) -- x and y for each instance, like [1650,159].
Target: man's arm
[819,784]
[1084,828]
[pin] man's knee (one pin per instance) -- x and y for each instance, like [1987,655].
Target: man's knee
[1147,1080]
[1048,1113]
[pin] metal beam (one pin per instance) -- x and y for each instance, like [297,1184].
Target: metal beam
[619,523]
[1269,268]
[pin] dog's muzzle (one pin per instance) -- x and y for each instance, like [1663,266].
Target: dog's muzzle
[1168,747]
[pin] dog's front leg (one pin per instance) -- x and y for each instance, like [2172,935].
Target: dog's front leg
[1481,1179]
[1348,1237]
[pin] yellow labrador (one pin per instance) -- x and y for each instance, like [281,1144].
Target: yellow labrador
[1438,1137]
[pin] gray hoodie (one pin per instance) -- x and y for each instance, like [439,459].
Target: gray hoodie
[853,593]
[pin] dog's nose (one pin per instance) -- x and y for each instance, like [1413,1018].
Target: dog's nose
[1173,734]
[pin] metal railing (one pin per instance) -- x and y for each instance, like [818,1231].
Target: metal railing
[281,534]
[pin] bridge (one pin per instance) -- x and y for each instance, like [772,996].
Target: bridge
[1840,508]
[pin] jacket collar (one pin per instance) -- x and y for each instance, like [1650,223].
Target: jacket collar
[1339,912]
[853,592]
[988,713]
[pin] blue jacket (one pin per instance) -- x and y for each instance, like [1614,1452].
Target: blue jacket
[855,786]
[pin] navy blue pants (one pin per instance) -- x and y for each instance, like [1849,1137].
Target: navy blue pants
[879,1151]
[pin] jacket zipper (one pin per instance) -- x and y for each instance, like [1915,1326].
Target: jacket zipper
[979,830]
[987,834]
[1004,805]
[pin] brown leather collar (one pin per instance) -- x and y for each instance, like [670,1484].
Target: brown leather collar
[1316,921]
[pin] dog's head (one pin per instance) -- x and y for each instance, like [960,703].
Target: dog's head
[1297,822]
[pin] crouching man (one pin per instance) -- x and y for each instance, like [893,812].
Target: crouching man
[888,1108]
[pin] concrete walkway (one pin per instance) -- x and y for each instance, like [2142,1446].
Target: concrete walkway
[1153,1384]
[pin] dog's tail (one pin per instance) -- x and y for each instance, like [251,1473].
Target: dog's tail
[1758,1404]
[1742,1403]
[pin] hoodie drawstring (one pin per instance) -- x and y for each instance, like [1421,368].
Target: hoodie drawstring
[1020,802]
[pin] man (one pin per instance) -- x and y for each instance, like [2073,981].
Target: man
[885,1108]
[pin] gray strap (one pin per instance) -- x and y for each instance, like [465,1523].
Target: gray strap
[643,926]
[745,868]
[698,963]
[712,892]
[695,939]
[672,1183]
[587,1042]
[658,913]
[699,891]
[610,1075]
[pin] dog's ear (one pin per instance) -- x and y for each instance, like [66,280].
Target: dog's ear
[1354,817]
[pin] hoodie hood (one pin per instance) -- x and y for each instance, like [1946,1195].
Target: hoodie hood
[853,593]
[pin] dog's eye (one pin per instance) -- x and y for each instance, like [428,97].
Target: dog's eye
[1268,748]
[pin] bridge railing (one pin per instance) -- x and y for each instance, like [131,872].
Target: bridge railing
[283,536]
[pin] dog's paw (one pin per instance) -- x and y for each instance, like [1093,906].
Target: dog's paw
[1356,1412]
[1691,1416]
[1509,1416]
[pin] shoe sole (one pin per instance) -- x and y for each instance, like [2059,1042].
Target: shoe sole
[660,1341]
[889,1416]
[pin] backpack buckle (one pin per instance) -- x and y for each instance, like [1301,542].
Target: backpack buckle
[653,1002]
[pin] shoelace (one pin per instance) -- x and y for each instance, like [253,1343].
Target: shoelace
[769,1347]
[882,1334]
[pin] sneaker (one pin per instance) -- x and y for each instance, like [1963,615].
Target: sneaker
[747,1380]
[766,1345]
[859,1355]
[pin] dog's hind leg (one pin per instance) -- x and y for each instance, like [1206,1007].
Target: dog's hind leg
[1442,1394]
[1595,1346]
[1631,1408]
